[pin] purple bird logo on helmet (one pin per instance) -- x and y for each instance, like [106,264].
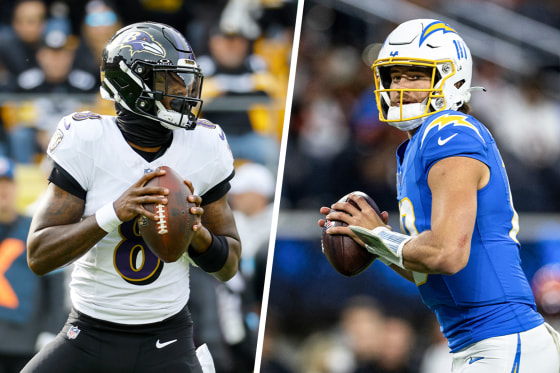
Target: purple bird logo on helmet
[141,41]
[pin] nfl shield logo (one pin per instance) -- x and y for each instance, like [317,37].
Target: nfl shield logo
[73,332]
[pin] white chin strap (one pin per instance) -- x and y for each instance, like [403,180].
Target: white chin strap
[408,111]
[172,116]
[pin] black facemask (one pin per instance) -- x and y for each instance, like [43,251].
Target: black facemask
[142,131]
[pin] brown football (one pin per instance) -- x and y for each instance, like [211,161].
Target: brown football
[170,236]
[342,252]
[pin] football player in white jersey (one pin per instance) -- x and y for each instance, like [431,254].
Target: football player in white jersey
[458,223]
[129,308]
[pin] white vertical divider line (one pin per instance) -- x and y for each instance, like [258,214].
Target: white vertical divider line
[279,179]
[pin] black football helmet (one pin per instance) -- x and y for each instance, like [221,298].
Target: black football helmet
[146,64]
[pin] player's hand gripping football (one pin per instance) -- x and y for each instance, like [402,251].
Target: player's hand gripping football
[364,216]
[131,203]
[197,211]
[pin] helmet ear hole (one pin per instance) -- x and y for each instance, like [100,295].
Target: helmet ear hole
[460,83]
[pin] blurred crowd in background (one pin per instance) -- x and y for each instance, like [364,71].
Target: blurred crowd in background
[333,97]
[50,52]
[319,321]
[50,55]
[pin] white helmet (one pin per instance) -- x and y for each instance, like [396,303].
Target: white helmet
[424,43]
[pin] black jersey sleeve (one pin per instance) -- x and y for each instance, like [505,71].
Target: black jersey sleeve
[65,181]
[217,191]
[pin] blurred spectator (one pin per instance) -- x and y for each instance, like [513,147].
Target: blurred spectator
[30,122]
[100,23]
[375,143]
[397,347]
[362,324]
[493,78]
[323,121]
[545,281]
[251,197]
[529,126]
[546,287]
[335,125]
[30,307]
[219,310]
[20,42]
[436,357]
[175,13]
[528,130]
[58,17]
[277,355]
[232,71]
[324,352]
[55,72]
[277,16]
[240,16]
[364,341]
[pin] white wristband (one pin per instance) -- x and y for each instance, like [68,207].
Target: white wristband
[107,218]
[394,242]
[383,242]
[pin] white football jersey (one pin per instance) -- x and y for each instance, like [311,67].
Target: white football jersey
[120,279]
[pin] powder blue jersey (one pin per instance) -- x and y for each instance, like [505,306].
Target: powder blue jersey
[491,296]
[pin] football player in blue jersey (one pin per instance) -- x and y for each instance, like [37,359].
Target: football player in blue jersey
[458,223]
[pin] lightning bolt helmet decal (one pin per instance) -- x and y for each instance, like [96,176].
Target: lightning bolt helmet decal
[432,28]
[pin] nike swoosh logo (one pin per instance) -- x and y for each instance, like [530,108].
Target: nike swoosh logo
[443,142]
[162,345]
[475,359]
